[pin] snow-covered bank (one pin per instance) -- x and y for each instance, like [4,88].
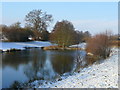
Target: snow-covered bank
[81,45]
[4,46]
[20,45]
[103,75]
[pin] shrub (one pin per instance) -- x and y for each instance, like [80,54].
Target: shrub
[99,45]
[91,59]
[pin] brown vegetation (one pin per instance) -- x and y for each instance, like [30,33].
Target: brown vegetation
[60,48]
[99,45]
[91,59]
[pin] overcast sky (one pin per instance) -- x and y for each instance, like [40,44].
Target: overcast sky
[86,16]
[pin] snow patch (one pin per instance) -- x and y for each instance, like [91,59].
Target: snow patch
[81,45]
[20,45]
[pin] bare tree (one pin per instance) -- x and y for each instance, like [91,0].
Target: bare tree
[38,20]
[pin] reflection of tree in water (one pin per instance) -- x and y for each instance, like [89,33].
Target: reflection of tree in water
[38,58]
[62,63]
[40,64]
[14,59]
[40,67]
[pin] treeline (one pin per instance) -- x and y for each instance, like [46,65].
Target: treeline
[63,33]
[16,33]
[60,33]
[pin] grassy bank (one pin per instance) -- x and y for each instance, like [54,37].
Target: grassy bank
[60,48]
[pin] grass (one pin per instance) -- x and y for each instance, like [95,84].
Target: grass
[60,48]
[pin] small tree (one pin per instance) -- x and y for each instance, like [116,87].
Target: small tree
[99,45]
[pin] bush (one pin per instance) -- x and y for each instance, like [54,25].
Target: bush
[99,45]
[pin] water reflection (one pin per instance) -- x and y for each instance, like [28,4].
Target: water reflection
[14,59]
[48,64]
[63,62]
[36,64]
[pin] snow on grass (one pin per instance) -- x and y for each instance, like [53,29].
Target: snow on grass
[103,75]
[20,45]
[81,45]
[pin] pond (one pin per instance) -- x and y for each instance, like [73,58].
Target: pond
[36,63]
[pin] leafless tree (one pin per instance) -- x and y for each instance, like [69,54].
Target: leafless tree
[38,21]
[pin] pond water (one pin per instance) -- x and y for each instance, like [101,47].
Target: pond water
[36,63]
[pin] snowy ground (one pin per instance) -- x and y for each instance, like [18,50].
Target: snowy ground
[81,45]
[20,45]
[103,75]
